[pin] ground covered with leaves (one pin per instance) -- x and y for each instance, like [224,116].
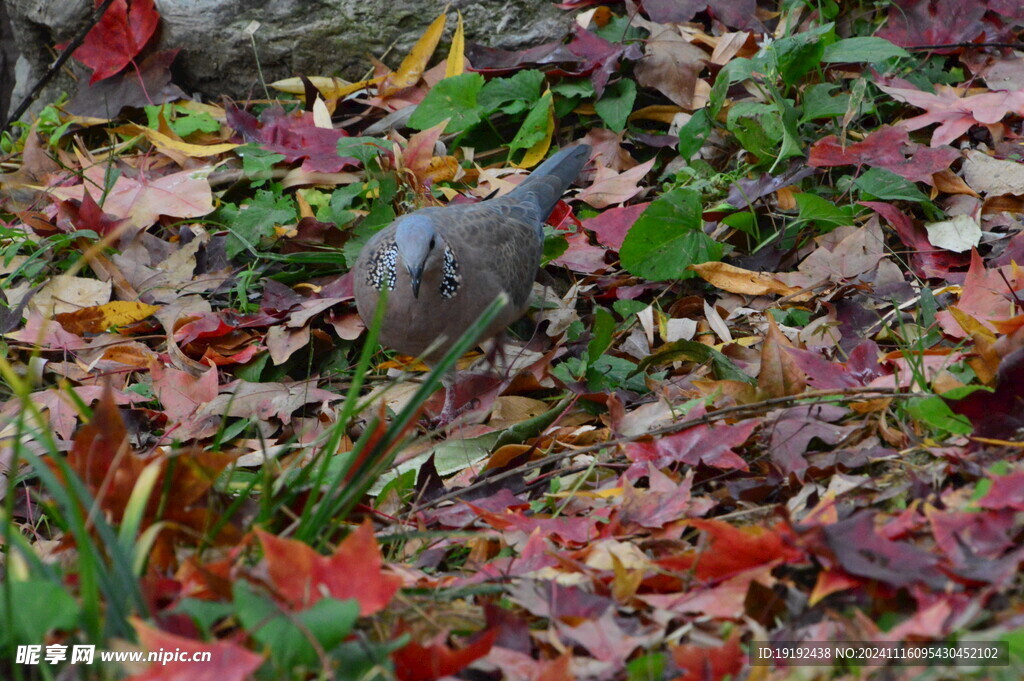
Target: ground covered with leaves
[771,387]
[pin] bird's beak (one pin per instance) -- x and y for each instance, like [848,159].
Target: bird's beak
[414,276]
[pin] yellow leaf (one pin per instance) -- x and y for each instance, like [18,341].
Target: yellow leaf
[662,113]
[457,52]
[737,280]
[971,325]
[162,141]
[999,443]
[330,88]
[99,318]
[536,153]
[413,66]
[626,582]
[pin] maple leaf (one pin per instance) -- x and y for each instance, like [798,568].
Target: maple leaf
[118,37]
[582,256]
[662,503]
[888,147]
[295,136]
[706,663]
[302,576]
[998,414]
[926,260]
[987,295]
[955,114]
[608,638]
[147,84]
[577,530]
[731,550]
[705,443]
[141,200]
[416,662]
[612,225]
[102,457]
[861,368]
[796,427]
[227,661]
[860,550]
[914,23]
[85,214]
[610,187]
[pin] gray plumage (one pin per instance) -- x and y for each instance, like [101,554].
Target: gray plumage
[443,266]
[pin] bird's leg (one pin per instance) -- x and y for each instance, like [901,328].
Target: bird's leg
[448,412]
[495,355]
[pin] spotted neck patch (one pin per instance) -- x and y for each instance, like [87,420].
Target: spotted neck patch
[381,271]
[451,279]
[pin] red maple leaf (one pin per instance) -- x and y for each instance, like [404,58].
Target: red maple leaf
[417,662]
[302,576]
[118,37]
[227,660]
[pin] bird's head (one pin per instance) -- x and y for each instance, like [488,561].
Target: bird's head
[415,237]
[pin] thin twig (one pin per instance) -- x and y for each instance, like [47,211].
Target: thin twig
[946,46]
[55,66]
[737,411]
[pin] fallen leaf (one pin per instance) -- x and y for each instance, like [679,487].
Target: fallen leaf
[118,37]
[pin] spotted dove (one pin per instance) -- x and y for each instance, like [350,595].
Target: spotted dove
[443,267]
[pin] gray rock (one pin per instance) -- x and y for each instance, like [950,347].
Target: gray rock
[295,37]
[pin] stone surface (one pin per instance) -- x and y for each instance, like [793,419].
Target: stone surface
[308,37]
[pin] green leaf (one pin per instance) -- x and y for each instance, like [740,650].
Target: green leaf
[620,29]
[381,214]
[616,104]
[693,135]
[205,614]
[609,373]
[603,328]
[257,162]
[650,667]
[336,210]
[697,352]
[362,148]
[820,211]
[628,308]
[794,56]
[745,222]
[668,237]
[512,95]
[254,222]
[555,244]
[39,607]
[535,127]
[868,49]
[735,71]
[580,87]
[936,413]
[182,121]
[790,135]
[453,98]
[880,183]
[817,102]
[286,635]
[758,127]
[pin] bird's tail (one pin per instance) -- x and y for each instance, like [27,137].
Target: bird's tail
[546,184]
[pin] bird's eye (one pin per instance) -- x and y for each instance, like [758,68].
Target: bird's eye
[431,243]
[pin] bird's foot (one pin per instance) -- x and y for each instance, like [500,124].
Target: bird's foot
[450,412]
